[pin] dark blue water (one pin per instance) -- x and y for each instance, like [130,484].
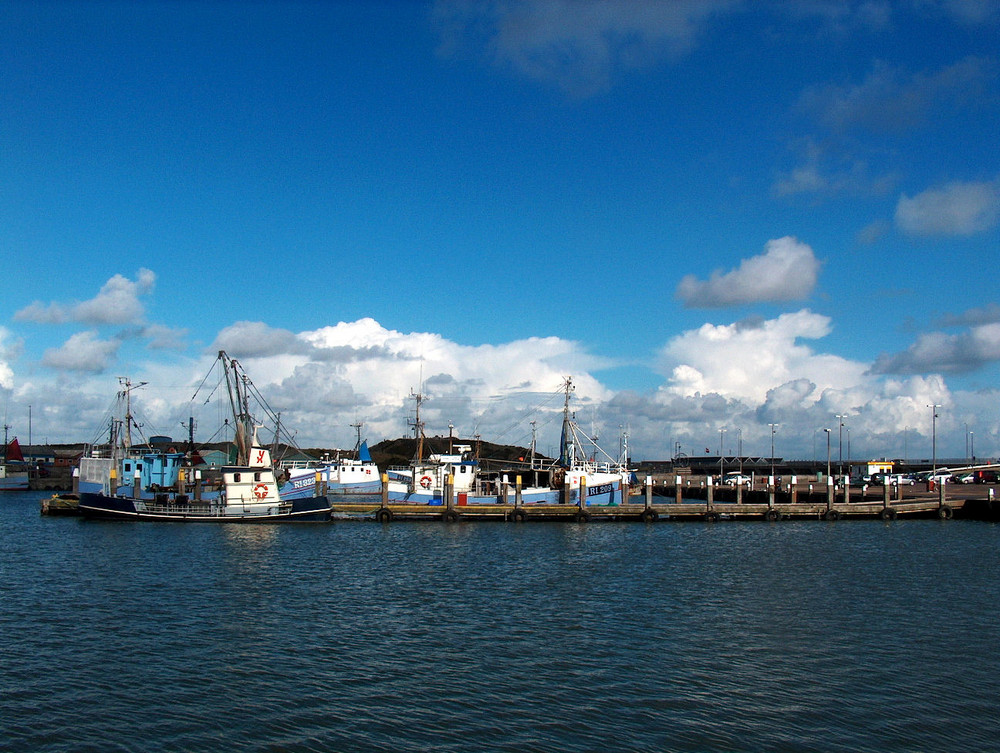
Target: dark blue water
[811,636]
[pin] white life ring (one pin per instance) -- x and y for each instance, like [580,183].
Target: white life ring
[425,482]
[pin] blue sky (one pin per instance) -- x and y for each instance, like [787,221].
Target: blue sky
[713,215]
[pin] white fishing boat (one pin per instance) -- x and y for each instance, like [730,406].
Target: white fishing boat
[163,490]
[341,476]
[603,479]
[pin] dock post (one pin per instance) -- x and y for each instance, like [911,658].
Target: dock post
[385,490]
[829,493]
[885,495]
[517,491]
[449,492]
[709,493]
[677,488]
[136,484]
[113,481]
[770,492]
[181,481]
[317,479]
[793,489]
[582,501]
[76,480]
[649,492]
[739,493]
[197,486]
[503,489]
[846,481]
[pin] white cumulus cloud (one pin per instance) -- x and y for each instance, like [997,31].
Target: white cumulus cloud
[786,271]
[84,352]
[117,302]
[745,360]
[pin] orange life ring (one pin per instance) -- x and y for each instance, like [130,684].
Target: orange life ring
[260,491]
[425,482]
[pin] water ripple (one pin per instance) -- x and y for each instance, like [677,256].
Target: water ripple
[493,637]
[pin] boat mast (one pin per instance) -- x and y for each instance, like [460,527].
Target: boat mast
[357,447]
[418,426]
[238,405]
[567,444]
[534,437]
[127,394]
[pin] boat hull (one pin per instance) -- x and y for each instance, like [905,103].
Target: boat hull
[602,494]
[14,482]
[105,507]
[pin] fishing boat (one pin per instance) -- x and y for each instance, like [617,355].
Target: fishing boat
[604,480]
[342,476]
[163,489]
[13,470]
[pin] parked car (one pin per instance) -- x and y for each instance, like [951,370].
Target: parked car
[881,479]
[966,478]
[986,477]
[941,477]
[736,478]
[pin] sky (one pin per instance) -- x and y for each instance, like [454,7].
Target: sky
[730,223]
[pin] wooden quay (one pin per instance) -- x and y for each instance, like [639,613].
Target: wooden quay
[644,503]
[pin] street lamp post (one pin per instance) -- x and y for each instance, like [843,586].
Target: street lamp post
[722,452]
[773,427]
[827,452]
[934,418]
[840,462]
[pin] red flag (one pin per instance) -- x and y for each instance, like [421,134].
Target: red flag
[14,451]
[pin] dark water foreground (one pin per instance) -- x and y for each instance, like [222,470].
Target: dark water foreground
[812,636]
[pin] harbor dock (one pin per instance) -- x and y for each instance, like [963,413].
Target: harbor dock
[649,504]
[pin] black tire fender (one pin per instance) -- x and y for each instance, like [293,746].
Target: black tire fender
[383,515]
[945,512]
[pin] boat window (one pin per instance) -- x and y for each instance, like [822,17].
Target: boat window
[236,478]
[256,476]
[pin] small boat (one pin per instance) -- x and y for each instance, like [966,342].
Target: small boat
[13,470]
[163,490]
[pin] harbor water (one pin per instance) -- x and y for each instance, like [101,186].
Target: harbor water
[493,636]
